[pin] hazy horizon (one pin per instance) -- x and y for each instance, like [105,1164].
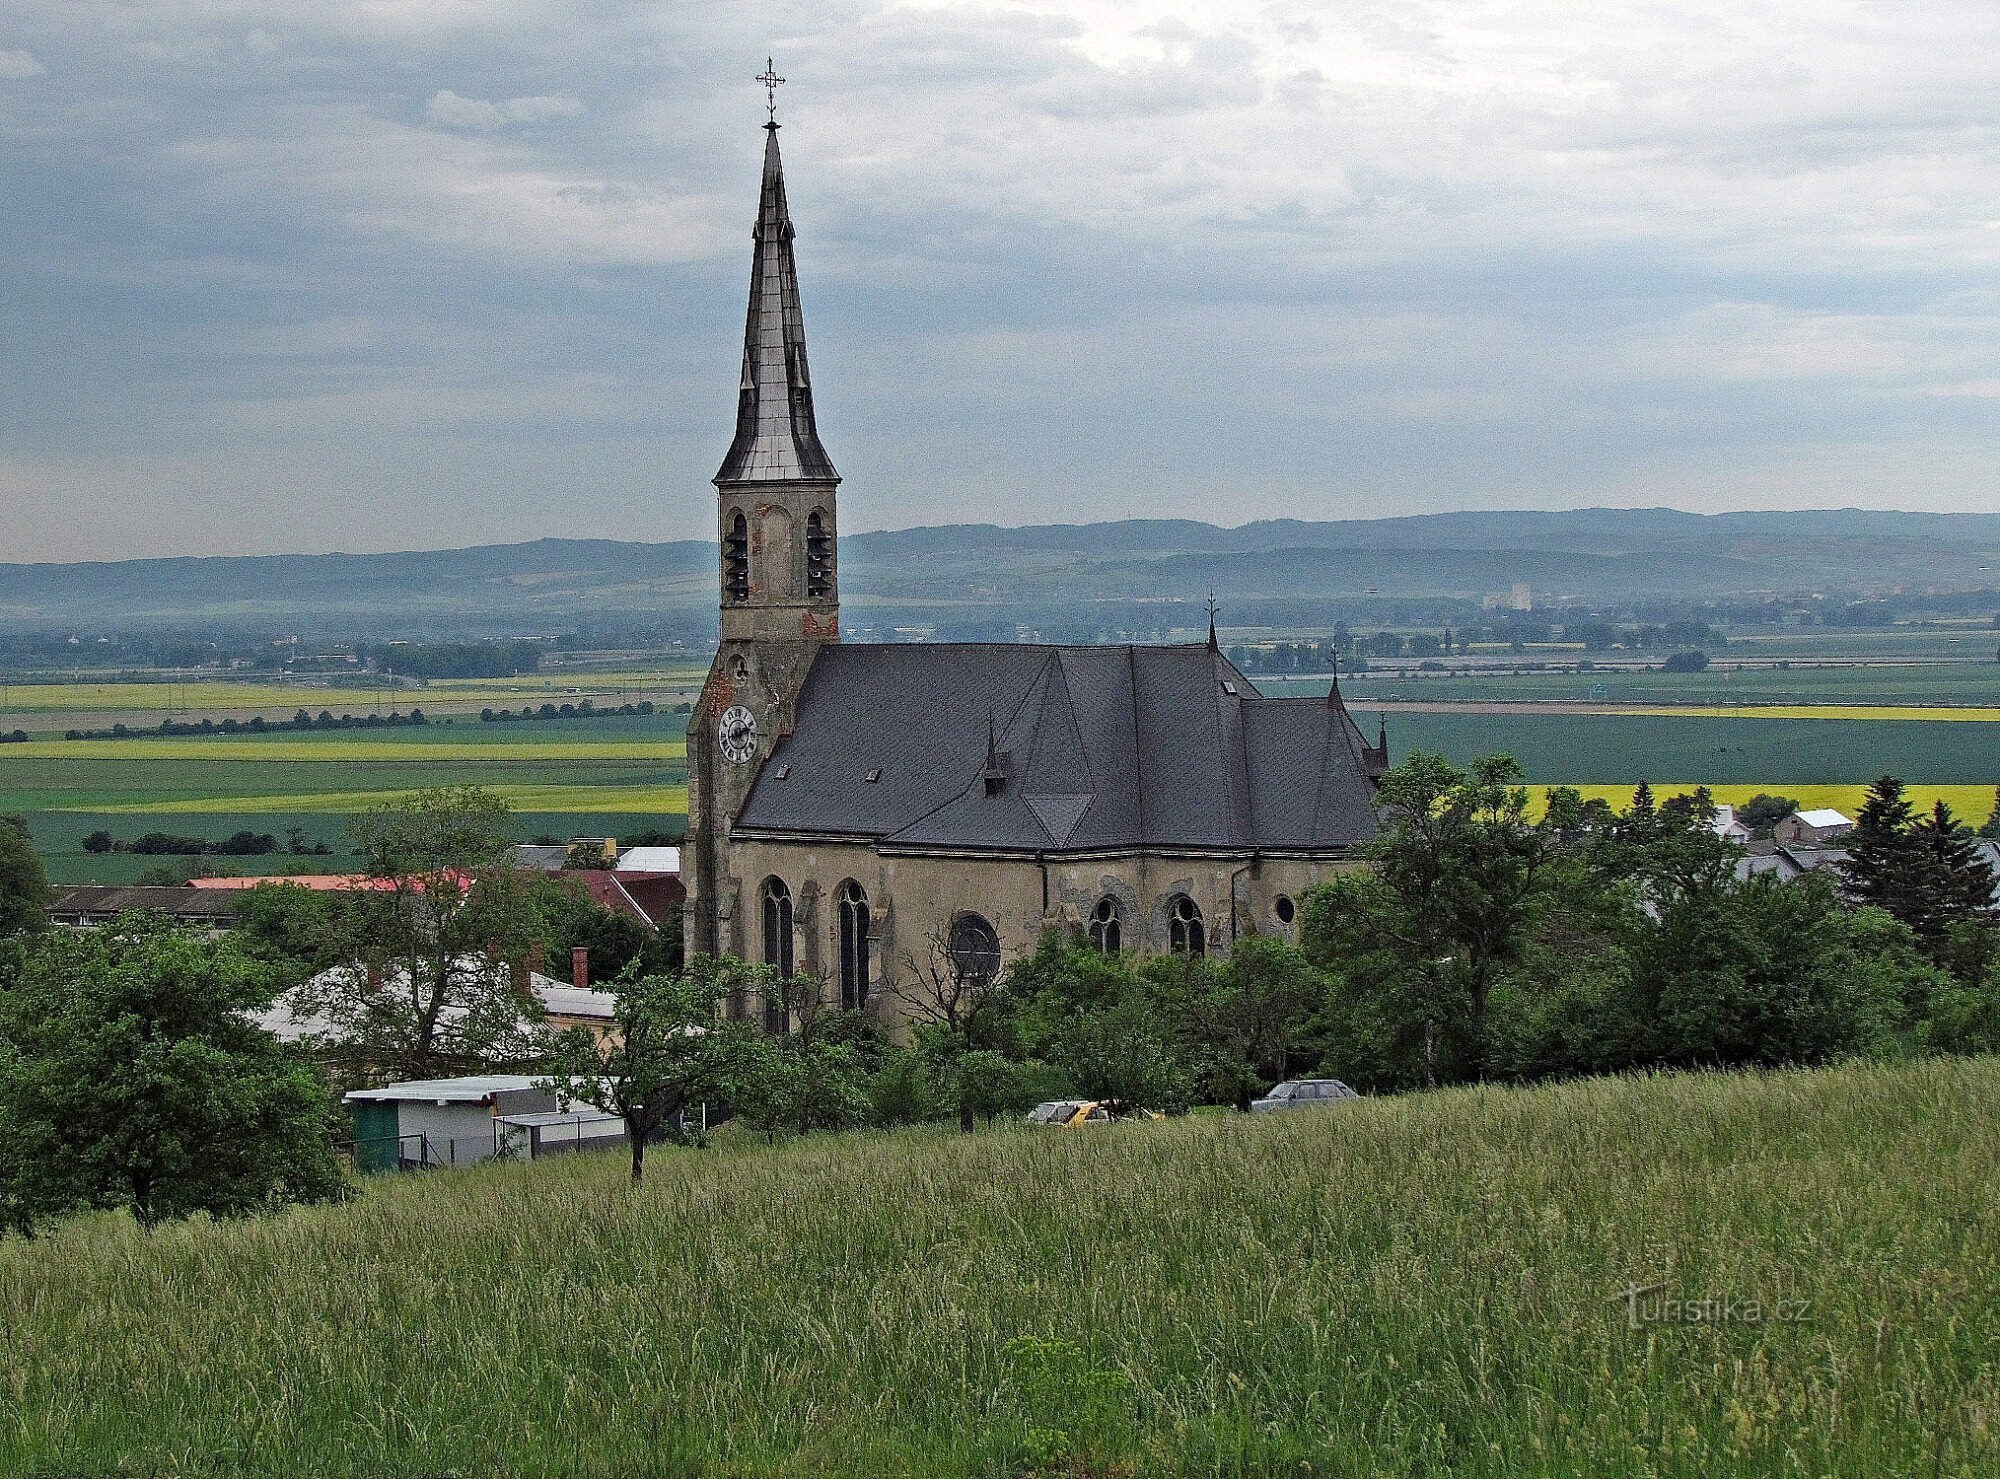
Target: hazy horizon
[359,276]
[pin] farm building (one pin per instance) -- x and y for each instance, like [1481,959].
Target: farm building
[462,1121]
[92,904]
[1812,828]
[563,1004]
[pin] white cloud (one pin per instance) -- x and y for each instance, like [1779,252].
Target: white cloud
[448,110]
[15,65]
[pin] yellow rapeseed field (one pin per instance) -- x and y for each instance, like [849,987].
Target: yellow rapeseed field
[1970,803]
[1820,711]
[313,748]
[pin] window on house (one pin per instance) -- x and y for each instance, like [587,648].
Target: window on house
[777,946]
[1184,931]
[854,946]
[736,559]
[1105,926]
[819,555]
[1287,911]
[973,948]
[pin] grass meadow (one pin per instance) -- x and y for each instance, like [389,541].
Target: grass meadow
[1786,1273]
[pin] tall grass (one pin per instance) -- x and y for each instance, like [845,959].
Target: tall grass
[1415,1286]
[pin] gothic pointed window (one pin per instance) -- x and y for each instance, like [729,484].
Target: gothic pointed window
[1105,926]
[1184,931]
[854,947]
[736,559]
[819,555]
[973,948]
[777,902]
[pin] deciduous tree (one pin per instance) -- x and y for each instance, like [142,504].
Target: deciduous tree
[131,1076]
[669,1049]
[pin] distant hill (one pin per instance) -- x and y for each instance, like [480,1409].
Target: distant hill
[973,570]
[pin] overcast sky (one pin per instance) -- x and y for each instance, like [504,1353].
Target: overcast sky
[408,273]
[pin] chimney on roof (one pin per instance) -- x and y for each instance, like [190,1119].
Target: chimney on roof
[517,974]
[579,967]
[538,957]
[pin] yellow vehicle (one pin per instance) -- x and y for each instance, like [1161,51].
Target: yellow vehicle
[1071,1114]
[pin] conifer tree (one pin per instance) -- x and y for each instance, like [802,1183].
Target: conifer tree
[1960,885]
[1886,862]
[1992,827]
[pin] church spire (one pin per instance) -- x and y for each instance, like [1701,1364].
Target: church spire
[776,441]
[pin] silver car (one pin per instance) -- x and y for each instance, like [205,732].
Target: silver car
[1303,1093]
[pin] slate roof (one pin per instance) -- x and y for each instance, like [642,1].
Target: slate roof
[1010,747]
[776,438]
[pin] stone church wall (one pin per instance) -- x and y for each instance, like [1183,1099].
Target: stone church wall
[912,899]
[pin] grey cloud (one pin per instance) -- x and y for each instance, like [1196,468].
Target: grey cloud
[15,65]
[448,110]
[1095,257]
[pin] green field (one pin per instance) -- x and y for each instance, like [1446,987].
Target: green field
[220,696]
[598,776]
[1975,683]
[597,770]
[1432,1285]
[1599,748]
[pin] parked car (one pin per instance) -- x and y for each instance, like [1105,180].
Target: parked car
[1303,1093]
[1070,1114]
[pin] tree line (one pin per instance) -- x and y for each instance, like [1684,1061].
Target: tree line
[1477,941]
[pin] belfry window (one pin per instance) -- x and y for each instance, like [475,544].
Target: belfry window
[1105,926]
[736,559]
[1184,931]
[854,946]
[777,946]
[973,948]
[819,556]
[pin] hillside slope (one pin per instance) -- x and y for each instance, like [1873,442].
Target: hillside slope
[1430,1285]
[1591,553]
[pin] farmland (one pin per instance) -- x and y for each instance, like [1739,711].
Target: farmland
[601,776]
[1436,1284]
[618,775]
[1956,683]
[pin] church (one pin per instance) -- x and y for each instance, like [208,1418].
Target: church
[861,813]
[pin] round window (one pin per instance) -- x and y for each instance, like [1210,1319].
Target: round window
[1287,910]
[974,949]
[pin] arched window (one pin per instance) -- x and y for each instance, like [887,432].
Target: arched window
[1105,925]
[819,555]
[736,559]
[854,946]
[973,949]
[1184,932]
[777,945]
[1286,910]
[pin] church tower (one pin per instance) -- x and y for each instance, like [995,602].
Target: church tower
[779,570]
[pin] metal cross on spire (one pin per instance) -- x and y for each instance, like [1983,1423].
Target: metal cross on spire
[771,80]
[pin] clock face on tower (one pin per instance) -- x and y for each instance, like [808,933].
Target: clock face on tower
[736,732]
